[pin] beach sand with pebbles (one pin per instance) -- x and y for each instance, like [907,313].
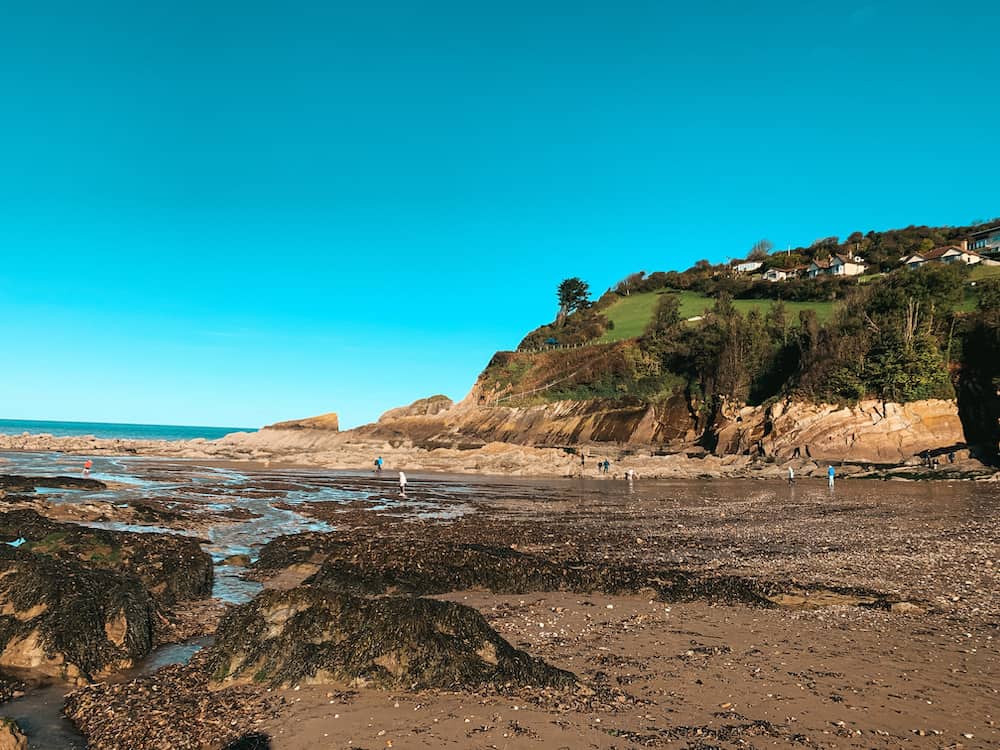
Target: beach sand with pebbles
[701,614]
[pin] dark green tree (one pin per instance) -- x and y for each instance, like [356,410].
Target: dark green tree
[574,294]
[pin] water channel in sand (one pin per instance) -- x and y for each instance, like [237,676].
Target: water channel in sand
[236,510]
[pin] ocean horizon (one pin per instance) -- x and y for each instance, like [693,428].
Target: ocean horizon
[115,430]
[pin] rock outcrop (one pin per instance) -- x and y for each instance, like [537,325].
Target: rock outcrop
[306,635]
[61,620]
[328,422]
[558,423]
[77,603]
[15,483]
[424,407]
[170,566]
[869,432]
[436,561]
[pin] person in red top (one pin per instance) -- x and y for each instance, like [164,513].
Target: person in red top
[86,467]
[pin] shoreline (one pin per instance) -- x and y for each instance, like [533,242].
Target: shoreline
[345,452]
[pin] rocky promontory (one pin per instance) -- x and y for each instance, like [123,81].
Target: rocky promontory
[670,438]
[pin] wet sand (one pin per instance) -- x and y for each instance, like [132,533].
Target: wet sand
[817,671]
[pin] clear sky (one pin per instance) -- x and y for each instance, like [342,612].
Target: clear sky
[232,213]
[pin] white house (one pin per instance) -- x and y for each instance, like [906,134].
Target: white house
[949,254]
[779,274]
[748,266]
[837,265]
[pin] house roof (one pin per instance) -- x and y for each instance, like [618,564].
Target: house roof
[829,261]
[940,252]
[984,232]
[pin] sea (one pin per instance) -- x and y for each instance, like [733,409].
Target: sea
[113,430]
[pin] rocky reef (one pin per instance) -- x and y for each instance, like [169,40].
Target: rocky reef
[170,566]
[442,560]
[308,635]
[300,637]
[77,603]
[15,483]
[65,621]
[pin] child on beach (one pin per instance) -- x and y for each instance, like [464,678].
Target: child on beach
[402,484]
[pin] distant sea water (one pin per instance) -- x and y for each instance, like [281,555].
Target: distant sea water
[116,430]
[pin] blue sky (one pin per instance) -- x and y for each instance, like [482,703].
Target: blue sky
[233,213]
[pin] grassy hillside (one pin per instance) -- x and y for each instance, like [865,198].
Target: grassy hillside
[976,275]
[631,315]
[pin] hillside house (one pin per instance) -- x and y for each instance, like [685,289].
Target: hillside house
[780,274]
[747,266]
[836,265]
[948,254]
[986,242]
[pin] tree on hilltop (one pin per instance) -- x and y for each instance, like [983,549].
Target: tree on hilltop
[573,294]
[629,283]
[760,250]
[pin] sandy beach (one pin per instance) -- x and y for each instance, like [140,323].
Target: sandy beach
[701,614]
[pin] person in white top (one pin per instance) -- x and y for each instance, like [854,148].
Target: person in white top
[402,484]
[791,475]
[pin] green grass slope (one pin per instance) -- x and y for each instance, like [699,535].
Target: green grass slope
[632,314]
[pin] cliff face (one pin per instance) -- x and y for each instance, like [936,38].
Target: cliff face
[871,431]
[554,424]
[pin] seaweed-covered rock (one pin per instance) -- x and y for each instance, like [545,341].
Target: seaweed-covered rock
[170,566]
[292,550]
[16,483]
[431,563]
[306,635]
[60,619]
[10,687]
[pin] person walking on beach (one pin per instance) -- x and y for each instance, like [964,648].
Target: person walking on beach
[791,475]
[378,465]
[829,476]
[402,484]
[86,467]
